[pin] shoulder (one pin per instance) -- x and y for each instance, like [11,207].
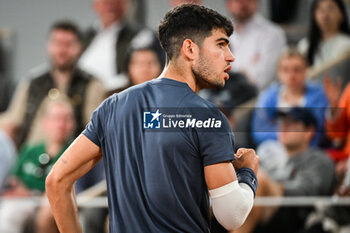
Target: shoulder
[82,74]
[130,29]
[314,88]
[319,156]
[271,92]
[343,38]
[38,72]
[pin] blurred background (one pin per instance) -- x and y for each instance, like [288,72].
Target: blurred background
[288,97]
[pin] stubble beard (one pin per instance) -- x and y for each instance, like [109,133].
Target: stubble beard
[205,79]
[66,67]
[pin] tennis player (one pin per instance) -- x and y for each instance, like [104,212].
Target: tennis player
[165,149]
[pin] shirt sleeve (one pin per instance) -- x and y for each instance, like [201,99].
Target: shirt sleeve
[95,129]
[216,145]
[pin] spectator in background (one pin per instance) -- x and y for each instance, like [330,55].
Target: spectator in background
[143,64]
[307,172]
[61,76]
[329,34]
[107,43]
[35,162]
[256,43]
[338,118]
[293,90]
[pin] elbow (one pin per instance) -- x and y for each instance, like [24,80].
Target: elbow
[232,209]
[55,183]
[237,218]
[50,182]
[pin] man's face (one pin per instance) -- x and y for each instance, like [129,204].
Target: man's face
[294,134]
[242,10]
[110,11]
[213,61]
[63,49]
[292,72]
[59,122]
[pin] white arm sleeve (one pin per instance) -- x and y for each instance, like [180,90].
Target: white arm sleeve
[231,204]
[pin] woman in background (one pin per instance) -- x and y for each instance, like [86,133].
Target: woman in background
[143,64]
[329,35]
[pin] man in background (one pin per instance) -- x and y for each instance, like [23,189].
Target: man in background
[106,43]
[305,171]
[60,76]
[256,42]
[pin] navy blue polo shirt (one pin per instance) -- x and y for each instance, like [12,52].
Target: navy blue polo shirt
[156,139]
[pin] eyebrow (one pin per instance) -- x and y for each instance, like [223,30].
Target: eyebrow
[223,39]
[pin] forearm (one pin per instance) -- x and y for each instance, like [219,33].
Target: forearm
[76,161]
[233,202]
[64,207]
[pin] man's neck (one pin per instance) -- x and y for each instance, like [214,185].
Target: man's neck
[61,77]
[292,152]
[108,25]
[172,71]
[294,93]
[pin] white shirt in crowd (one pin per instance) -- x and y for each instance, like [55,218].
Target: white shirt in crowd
[257,47]
[328,50]
[99,58]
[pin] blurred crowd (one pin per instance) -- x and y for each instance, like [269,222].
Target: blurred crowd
[280,99]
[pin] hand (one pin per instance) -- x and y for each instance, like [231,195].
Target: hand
[246,158]
[332,90]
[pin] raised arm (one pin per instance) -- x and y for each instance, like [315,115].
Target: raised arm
[232,193]
[77,160]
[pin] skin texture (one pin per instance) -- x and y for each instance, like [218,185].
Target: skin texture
[292,74]
[214,57]
[58,122]
[110,11]
[328,17]
[144,66]
[295,136]
[63,49]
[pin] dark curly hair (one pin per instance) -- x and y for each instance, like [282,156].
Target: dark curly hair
[189,21]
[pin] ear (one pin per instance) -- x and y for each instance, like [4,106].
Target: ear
[189,49]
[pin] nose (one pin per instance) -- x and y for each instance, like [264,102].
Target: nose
[230,58]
